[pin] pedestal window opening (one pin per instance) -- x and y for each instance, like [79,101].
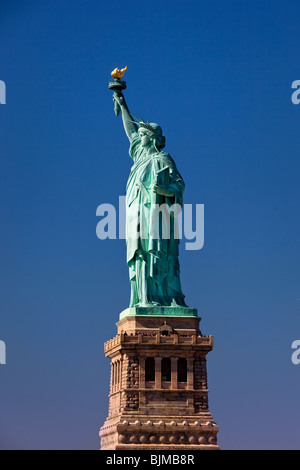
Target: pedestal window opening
[182,370]
[166,369]
[150,369]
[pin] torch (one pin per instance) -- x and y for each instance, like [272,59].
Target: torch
[117,85]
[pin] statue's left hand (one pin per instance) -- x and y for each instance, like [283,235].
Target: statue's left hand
[161,190]
[119,99]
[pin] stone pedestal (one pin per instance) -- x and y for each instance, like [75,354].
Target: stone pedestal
[158,391]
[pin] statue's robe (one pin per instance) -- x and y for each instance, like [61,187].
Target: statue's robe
[151,257]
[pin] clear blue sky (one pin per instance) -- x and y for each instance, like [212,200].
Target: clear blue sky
[217,76]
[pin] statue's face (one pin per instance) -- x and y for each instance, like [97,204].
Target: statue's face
[145,138]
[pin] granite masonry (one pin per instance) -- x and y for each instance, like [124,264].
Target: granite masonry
[158,390]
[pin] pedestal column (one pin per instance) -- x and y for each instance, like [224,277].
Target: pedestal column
[158,372]
[174,376]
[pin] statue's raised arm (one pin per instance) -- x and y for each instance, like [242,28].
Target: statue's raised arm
[118,85]
[130,126]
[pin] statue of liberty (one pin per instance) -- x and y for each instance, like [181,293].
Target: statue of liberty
[154,181]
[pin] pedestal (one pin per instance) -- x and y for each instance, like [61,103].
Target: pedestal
[158,390]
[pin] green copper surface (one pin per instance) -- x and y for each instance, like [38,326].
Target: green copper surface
[152,259]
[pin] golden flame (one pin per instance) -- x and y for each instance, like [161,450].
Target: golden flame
[117,73]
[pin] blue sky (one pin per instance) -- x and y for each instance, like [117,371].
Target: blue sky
[217,77]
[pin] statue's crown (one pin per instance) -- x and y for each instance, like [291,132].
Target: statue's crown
[147,125]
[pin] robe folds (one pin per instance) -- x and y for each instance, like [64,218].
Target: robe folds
[152,235]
